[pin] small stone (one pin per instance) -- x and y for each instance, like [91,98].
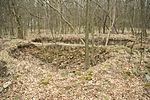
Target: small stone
[1,89]
[7,84]
[147,76]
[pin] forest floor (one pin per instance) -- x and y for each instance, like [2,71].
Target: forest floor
[42,69]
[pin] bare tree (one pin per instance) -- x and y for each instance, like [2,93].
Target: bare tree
[87,36]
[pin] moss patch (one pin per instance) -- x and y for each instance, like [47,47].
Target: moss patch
[127,73]
[78,73]
[44,81]
[87,77]
[147,85]
[89,71]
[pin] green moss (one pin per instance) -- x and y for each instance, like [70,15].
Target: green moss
[89,71]
[147,85]
[49,75]
[106,65]
[87,77]
[127,73]
[44,81]
[78,73]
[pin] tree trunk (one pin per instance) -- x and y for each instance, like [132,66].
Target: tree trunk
[18,20]
[87,37]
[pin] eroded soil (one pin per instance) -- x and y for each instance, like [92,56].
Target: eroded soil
[62,57]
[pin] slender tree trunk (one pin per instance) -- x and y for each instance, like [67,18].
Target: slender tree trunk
[106,17]
[142,26]
[112,24]
[31,25]
[87,37]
